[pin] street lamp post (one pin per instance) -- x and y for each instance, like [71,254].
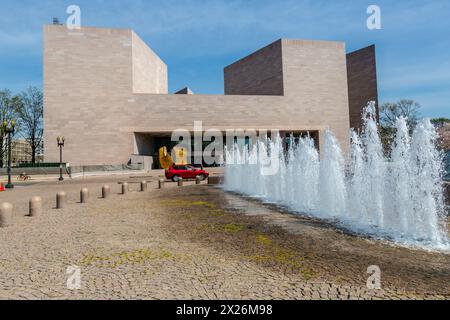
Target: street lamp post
[8,127]
[61,142]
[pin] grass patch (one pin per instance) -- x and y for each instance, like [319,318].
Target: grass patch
[233,227]
[203,204]
[227,228]
[262,239]
[139,256]
[187,203]
[217,213]
[275,255]
[214,224]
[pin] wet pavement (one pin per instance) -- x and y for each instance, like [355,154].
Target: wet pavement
[196,242]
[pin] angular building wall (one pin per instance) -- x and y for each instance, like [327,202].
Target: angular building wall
[310,75]
[101,92]
[149,71]
[260,73]
[362,83]
[87,81]
[315,81]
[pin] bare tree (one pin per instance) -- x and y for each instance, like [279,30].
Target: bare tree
[8,109]
[409,109]
[389,112]
[30,113]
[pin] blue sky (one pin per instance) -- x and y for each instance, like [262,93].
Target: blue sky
[198,38]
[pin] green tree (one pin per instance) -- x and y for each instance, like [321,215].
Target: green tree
[30,112]
[440,122]
[8,111]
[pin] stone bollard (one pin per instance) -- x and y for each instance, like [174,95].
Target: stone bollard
[6,215]
[35,209]
[215,180]
[198,180]
[106,190]
[180,182]
[61,200]
[125,188]
[143,186]
[161,184]
[84,195]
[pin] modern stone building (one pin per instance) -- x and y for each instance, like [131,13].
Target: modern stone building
[106,91]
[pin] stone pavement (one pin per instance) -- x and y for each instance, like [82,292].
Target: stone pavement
[194,242]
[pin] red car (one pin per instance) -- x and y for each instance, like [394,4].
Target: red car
[176,172]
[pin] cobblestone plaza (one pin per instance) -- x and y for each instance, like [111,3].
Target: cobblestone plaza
[195,242]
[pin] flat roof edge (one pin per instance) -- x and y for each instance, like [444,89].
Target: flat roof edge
[92,29]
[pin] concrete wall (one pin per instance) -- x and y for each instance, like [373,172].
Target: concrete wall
[161,113]
[362,83]
[149,71]
[143,144]
[87,81]
[85,72]
[260,73]
[315,83]
[90,84]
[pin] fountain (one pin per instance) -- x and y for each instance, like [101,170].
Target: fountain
[397,197]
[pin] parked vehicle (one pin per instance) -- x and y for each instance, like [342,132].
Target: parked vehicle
[186,172]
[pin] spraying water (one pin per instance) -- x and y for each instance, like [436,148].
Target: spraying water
[399,197]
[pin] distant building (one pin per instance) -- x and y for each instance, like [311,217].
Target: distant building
[21,153]
[186,90]
[106,92]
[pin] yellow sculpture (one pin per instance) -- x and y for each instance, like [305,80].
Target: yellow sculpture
[166,160]
[180,155]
